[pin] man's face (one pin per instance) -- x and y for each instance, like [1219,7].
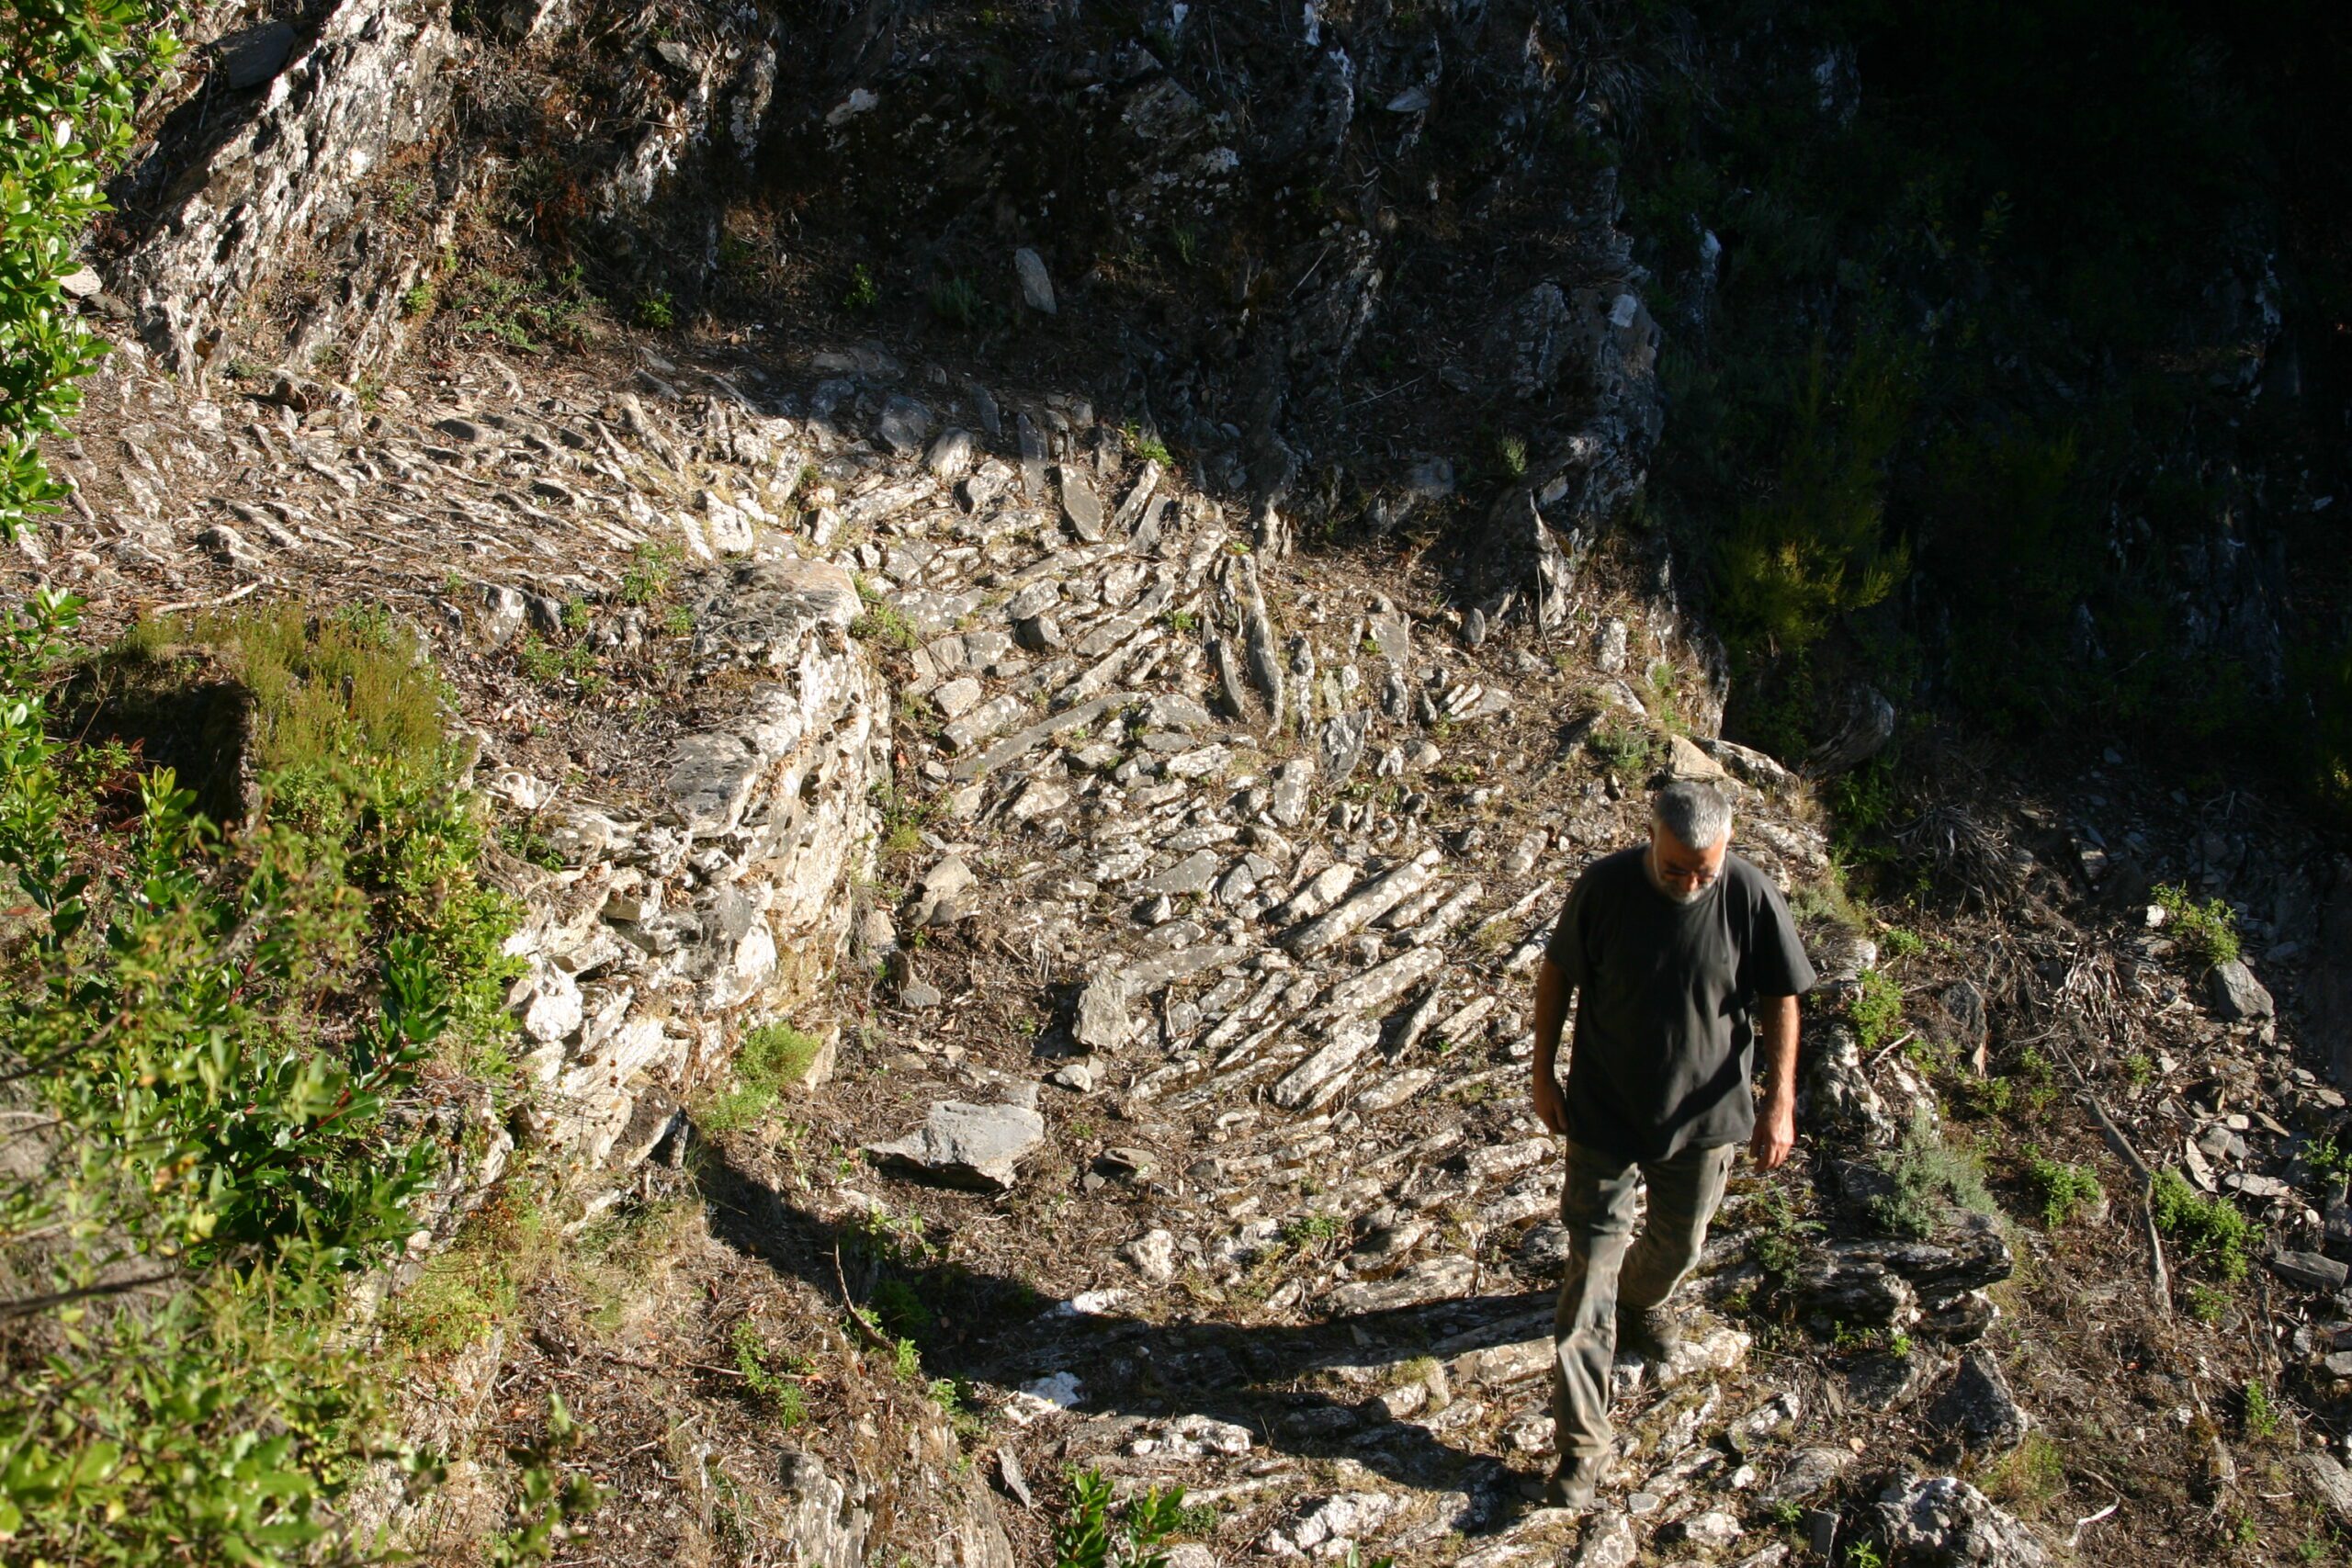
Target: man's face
[1682,873]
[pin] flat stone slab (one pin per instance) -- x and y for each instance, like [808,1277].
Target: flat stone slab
[964,1144]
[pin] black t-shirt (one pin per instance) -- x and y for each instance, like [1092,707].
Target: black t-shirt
[1664,1045]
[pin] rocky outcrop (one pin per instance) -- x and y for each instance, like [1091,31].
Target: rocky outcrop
[261,168]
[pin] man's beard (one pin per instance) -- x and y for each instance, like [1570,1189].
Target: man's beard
[1686,899]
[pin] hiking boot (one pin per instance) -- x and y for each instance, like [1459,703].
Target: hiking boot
[1573,1484]
[1651,1332]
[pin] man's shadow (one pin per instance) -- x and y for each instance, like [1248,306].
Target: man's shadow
[1002,1332]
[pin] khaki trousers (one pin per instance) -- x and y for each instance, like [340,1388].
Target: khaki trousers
[1606,1265]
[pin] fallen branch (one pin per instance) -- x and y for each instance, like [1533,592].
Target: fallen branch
[1901,1040]
[2131,1156]
[2084,1523]
[873,1334]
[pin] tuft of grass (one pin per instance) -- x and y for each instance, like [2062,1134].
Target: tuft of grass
[761,1376]
[772,1058]
[1625,746]
[1145,444]
[1510,455]
[958,301]
[2033,1472]
[2207,932]
[502,1249]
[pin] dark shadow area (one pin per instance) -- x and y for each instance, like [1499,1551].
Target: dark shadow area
[1131,1367]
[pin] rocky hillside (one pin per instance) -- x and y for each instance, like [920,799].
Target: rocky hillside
[1027,960]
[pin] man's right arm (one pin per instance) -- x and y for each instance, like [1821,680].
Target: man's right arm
[1551,1015]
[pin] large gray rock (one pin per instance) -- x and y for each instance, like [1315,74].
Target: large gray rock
[964,1144]
[1104,1022]
[2323,1480]
[1037,284]
[2238,997]
[1978,1407]
[1946,1522]
[252,55]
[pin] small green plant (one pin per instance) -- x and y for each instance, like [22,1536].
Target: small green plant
[1788,1513]
[1308,1230]
[1087,1539]
[1898,1343]
[1899,941]
[882,622]
[2211,1229]
[1777,1240]
[2262,1418]
[2034,1472]
[1185,621]
[2207,932]
[647,577]
[656,311]
[958,301]
[863,293]
[2062,1189]
[2140,1069]
[678,621]
[1875,1009]
[761,1376]
[1865,1554]
[1187,243]
[1623,747]
[419,298]
[1510,455]
[549,1500]
[1145,444]
[575,615]
[2205,1303]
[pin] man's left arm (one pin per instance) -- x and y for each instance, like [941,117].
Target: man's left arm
[1776,1118]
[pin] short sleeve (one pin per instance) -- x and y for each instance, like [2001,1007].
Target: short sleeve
[1568,948]
[1774,964]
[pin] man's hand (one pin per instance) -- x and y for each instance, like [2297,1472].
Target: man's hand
[1776,1131]
[1550,1108]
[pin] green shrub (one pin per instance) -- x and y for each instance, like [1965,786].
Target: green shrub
[2262,1417]
[2207,932]
[2060,1188]
[1087,1539]
[218,1033]
[2211,1229]
[655,311]
[1875,1009]
[1930,1177]
[758,1369]
[1624,747]
[863,293]
[66,101]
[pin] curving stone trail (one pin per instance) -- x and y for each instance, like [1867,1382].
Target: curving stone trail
[1204,892]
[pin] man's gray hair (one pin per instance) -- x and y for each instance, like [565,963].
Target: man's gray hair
[1695,812]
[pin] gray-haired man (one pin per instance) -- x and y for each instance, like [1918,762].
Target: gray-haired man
[1669,946]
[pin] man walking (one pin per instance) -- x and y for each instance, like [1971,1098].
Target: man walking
[1669,946]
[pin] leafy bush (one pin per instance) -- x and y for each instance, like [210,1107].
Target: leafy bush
[1086,1538]
[66,101]
[2211,1229]
[208,1041]
[2207,932]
